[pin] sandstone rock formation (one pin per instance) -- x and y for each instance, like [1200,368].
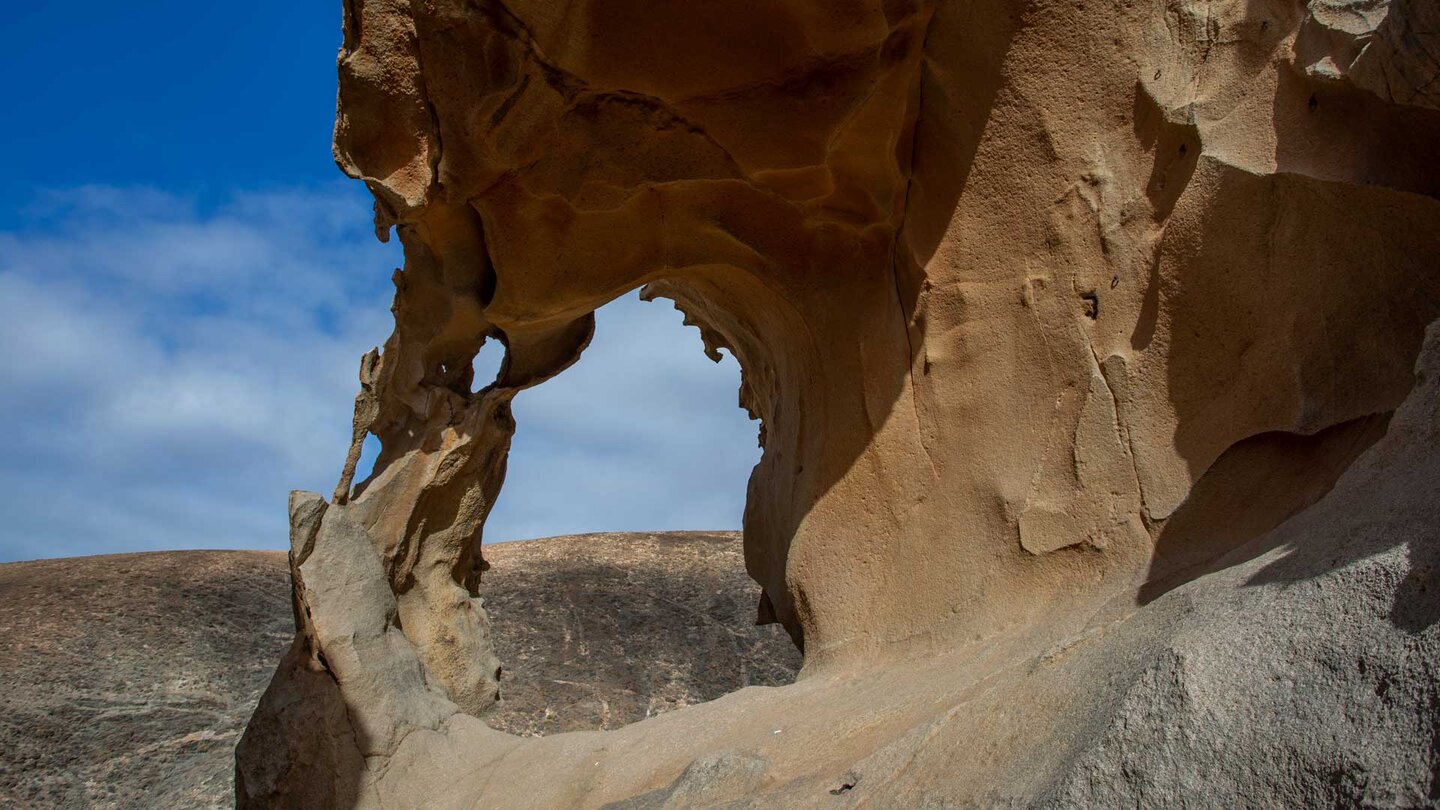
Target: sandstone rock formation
[1058,317]
[125,680]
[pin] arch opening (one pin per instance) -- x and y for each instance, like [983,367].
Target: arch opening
[632,464]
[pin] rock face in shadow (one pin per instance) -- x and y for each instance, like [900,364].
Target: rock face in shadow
[1055,315]
[126,680]
[1309,675]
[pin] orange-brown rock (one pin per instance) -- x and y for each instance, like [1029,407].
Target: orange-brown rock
[1052,312]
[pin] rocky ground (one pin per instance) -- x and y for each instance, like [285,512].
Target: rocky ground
[601,630]
[127,679]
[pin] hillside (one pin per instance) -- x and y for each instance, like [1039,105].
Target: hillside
[596,631]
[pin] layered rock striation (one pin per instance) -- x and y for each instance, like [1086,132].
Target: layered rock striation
[1057,317]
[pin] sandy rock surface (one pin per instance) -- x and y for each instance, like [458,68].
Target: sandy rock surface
[127,679]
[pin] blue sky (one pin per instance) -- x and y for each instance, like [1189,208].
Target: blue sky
[187,283]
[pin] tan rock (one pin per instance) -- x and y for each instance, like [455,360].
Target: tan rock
[1033,302]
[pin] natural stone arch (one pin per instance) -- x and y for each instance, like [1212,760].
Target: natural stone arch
[737,243]
[965,253]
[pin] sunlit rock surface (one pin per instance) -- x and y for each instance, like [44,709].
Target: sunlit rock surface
[1065,322]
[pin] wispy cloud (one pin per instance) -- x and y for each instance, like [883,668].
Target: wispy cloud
[169,373]
[643,433]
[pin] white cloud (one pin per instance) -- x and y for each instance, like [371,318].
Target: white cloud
[643,433]
[169,373]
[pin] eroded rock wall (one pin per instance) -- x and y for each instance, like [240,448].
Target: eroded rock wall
[1045,308]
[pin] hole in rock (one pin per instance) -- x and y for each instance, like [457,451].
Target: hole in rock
[487,363]
[633,464]
[369,454]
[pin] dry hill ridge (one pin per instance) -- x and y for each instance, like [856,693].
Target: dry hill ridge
[127,679]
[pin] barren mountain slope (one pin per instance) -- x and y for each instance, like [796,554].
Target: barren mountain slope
[96,711]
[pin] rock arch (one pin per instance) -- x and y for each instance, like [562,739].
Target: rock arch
[1006,280]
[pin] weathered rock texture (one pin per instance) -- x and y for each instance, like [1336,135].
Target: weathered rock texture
[1055,315]
[125,681]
